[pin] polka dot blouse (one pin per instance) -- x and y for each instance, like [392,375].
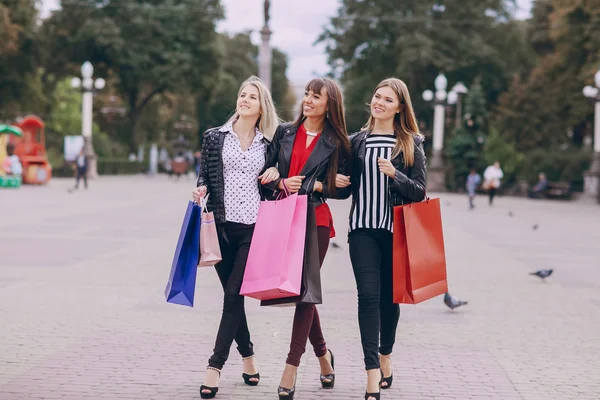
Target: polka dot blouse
[240,172]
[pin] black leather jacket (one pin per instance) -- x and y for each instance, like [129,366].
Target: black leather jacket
[408,185]
[211,172]
[279,155]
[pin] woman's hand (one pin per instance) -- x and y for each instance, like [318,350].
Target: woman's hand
[342,181]
[199,193]
[386,167]
[293,184]
[269,176]
[318,187]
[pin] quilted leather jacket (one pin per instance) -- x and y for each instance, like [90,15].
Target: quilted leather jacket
[408,185]
[211,172]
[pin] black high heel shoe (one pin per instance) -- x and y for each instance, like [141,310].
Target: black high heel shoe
[376,396]
[213,390]
[387,380]
[290,392]
[330,377]
[247,377]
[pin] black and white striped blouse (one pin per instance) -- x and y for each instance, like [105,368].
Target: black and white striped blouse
[373,209]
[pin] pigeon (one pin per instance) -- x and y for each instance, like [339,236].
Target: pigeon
[535,227]
[452,302]
[510,214]
[335,245]
[542,273]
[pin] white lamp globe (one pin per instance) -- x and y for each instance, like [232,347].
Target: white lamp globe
[452,97]
[441,82]
[590,91]
[99,83]
[87,70]
[75,83]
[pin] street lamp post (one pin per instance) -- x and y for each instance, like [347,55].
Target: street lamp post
[437,175]
[265,53]
[592,176]
[455,97]
[87,85]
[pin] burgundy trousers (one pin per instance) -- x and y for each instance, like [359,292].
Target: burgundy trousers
[307,324]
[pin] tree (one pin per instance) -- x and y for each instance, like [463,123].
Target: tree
[238,60]
[414,40]
[150,47]
[545,108]
[465,144]
[18,57]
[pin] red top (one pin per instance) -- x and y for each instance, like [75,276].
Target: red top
[300,154]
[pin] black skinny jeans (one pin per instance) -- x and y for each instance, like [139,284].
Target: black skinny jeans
[371,256]
[235,245]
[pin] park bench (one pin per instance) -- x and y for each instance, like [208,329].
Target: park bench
[558,190]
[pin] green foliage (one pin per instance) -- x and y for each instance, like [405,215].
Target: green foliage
[463,149]
[497,148]
[119,166]
[239,62]
[19,57]
[565,166]
[542,106]
[414,40]
[150,47]
[463,153]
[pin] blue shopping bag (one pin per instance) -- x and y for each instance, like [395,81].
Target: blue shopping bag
[182,280]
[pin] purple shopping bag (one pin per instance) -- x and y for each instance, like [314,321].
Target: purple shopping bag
[182,280]
[274,266]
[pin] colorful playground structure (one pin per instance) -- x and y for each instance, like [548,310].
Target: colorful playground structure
[7,176]
[31,150]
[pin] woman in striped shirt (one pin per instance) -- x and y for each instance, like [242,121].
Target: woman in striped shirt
[388,170]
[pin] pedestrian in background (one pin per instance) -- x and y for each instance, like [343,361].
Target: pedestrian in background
[492,177]
[81,166]
[473,181]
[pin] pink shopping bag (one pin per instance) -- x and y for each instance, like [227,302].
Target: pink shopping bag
[210,250]
[274,266]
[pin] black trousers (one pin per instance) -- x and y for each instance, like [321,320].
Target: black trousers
[81,173]
[235,244]
[371,256]
[492,194]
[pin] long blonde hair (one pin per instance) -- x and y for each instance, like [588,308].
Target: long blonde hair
[268,120]
[405,122]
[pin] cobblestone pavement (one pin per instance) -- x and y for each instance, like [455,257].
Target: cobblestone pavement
[83,315]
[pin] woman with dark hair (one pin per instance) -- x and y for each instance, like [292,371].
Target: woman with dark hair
[388,170]
[309,153]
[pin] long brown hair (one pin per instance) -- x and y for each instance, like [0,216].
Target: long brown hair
[405,122]
[334,121]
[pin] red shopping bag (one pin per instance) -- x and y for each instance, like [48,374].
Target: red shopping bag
[419,268]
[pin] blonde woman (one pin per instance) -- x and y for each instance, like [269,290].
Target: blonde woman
[232,170]
[388,170]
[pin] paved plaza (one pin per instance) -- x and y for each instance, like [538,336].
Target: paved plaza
[83,314]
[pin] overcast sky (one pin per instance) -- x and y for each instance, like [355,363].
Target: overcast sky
[296,24]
